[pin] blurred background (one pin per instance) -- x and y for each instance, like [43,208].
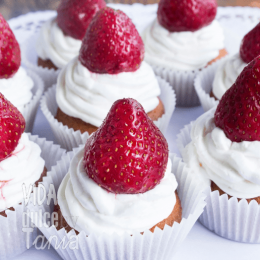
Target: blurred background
[13,8]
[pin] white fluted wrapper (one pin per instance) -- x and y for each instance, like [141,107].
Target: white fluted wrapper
[30,109]
[69,139]
[228,218]
[160,244]
[11,234]
[29,60]
[183,84]
[203,85]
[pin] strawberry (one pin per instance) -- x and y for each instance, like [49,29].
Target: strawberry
[250,45]
[74,16]
[238,112]
[10,51]
[112,44]
[186,15]
[128,153]
[12,125]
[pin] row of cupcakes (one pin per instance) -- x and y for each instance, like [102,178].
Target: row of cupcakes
[221,146]
[109,66]
[179,43]
[145,153]
[163,242]
[21,86]
[125,183]
[24,158]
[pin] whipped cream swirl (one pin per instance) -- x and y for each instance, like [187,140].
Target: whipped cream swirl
[18,89]
[182,50]
[24,166]
[227,74]
[99,211]
[52,44]
[234,167]
[89,96]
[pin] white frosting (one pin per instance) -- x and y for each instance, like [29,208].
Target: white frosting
[234,167]
[182,50]
[89,96]
[18,89]
[227,74]
[88,207]
[54,45]
[24,166]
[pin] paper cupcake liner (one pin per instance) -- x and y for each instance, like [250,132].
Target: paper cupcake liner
[183,84]
[228,218]
[168,98]
[12,237]
[29,60]
[68,138]
[162,244]
[30,109]
[203,85]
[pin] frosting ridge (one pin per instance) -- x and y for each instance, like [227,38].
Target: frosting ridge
[227,74]
[24,166]
[53,44]
[89,96]
[18,89]
[182,50]
[233,166]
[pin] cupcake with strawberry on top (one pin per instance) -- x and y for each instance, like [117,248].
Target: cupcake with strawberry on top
[23,88]
[184,38]
[60,38]
[222,77]
[123,189]
[224,151]
[22,165]
[20,160]
[121,181]
[110,66]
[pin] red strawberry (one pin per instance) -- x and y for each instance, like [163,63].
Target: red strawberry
[74,16]
[12,126]
[10,58]
[250,46]
[186,15]
[112,44]
[128,153]
[238,112]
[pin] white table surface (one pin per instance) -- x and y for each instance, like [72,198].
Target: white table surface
[200,243]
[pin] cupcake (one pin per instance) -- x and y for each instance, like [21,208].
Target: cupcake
[60,38]
[223,151]
[184,38]
[120,189]
[110,66]
[213,82]
[21,88]
[21,164]
[15,150]
[126,158]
